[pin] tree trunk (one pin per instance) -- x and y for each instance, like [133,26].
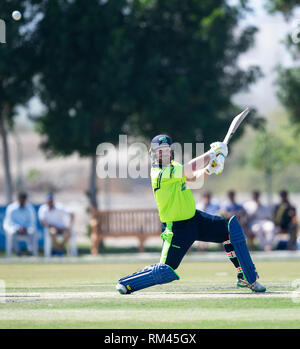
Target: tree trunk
[6,162]
[269,166]
[19,181]
[93,182]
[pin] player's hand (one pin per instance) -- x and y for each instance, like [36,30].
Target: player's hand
[211,166]
[215,165]
[219,164]
[219,148]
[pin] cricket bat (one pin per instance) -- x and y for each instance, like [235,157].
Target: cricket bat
[233,127]
[235,124]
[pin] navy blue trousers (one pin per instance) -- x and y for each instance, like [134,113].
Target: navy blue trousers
[201,227]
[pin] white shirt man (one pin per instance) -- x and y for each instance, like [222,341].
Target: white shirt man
[56,216]
[58,221]
[20,221]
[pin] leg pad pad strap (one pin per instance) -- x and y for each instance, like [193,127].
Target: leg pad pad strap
[238,240]
[149,276]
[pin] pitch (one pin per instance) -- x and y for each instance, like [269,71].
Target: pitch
[65,295]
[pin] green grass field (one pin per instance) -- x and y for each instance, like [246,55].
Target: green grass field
[83,296]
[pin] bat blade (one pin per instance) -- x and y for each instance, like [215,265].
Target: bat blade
[235,124]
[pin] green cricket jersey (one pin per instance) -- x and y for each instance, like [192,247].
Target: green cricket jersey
[175,202]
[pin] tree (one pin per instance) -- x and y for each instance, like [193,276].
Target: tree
[140,66]
[17,67]
[289,87]
[186,71]
[272,152]
[85,58]
[286,7]
[289,78]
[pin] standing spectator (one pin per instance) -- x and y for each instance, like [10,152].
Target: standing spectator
[208,205]
[259,221]
[57,221]
[20,224]
[285,219]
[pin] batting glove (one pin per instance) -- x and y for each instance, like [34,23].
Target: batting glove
[215,165]
[219,148]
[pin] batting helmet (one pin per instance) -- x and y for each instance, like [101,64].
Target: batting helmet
[159,142]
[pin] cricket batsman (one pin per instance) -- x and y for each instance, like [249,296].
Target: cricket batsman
[182,224]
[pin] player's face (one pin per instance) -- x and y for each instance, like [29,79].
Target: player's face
[164,155]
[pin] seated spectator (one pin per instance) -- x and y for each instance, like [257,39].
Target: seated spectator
[259,222]
[58,221]
[232,208]
[207,204]
[285,219]
[20,224]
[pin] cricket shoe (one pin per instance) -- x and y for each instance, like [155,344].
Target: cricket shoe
[255,286]
[122,289]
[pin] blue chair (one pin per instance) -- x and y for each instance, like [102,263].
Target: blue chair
[40,229]
[2,232]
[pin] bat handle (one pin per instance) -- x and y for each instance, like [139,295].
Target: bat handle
[226,140]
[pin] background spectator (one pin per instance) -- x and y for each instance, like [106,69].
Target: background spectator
[207,205]
[232,208]
[20,225]
[57,220]
[259,222]
[285,219]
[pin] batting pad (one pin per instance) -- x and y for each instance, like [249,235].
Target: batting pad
[149,276]
[238,240]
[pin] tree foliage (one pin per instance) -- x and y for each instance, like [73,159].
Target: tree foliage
[284,6]
[143,67]
[273,151]
[17,68]
[186,68]
[289,78]
[17,56]
[289,83]
[84,63]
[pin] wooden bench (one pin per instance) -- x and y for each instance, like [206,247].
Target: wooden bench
[141,224]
